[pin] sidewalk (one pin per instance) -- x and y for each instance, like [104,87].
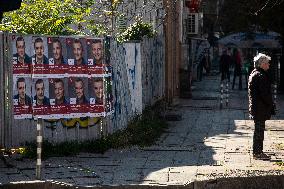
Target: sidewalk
[207,143]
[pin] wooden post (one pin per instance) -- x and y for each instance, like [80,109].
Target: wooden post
[221,97]
[274,93]
[227,92]
[39,147]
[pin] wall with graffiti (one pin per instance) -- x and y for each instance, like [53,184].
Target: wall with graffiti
[153,70]
[138,78]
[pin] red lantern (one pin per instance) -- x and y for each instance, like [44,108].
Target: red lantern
[193,5]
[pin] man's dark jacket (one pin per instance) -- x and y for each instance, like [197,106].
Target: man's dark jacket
[45,101]
[84,101]
[260,97]
[225,62]
[27,59]
[45,59]
[28,100]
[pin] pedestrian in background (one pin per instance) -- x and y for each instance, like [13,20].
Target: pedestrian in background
[225,61]
[202,65]
[247,68]
[238,68]
[261,106]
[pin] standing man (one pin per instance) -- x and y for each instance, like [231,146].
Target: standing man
[78,53]
[97,50]
[79,90]
[261,106]
[22,57]
[39,98]
[59,92]
[39,56]
[22,98]
[57,52]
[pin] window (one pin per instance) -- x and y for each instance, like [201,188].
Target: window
[192,23]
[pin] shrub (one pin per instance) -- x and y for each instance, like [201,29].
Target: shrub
[137,31]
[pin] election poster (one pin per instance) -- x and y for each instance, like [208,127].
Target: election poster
[76,57]
[96,92]
[109,108]
[40,94]
[58,67]
[95,57]
[79,99]
[21,51]
[22,97]
[40,67]
[58,98]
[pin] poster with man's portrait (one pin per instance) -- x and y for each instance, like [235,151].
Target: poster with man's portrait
[58,98]
[22,100]
[95,53]
[40,98]
[40,63]
[57,60]
[21,50]
[97,97]
[77,57]
[109,108]
[79,98]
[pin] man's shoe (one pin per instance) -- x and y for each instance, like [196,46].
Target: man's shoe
[261,156]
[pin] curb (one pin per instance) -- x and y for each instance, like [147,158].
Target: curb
[258,182]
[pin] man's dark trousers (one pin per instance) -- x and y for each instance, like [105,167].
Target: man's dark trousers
[258,137]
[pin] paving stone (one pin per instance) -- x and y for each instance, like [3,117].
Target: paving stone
[129,175]
[4,178]
[155,176]
[182,174]
[185,158]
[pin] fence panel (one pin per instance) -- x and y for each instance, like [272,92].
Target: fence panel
[153,69]
[2,91]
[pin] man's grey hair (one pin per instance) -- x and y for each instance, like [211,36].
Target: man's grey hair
[259,59]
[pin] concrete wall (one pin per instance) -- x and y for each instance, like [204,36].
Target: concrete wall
[139,78]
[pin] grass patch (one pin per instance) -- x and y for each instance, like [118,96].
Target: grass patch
[143,130]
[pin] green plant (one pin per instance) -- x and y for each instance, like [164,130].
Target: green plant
[73,17]
[143,130]
[137,31]
[53,17]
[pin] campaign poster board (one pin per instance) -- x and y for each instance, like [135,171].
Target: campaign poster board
[53,71]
